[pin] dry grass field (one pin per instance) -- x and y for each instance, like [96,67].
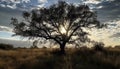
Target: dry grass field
[82,58]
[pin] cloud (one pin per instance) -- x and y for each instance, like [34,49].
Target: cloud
[6,33]
[42,1]
[39,6]
[109,10]
[12,6]
[9,36]
[99,7]
[116,35]
[21,4]
[109,35]
[106,9]
[16,43]
[26,1]
[9,3]
[96,1]
[12,3]
[114,28]
[2,5]
[5,28]
[92,1]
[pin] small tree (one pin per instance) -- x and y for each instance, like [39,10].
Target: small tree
[98,46]
[62,23]
[34,44]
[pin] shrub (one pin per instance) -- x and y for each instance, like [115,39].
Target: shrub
[6,46]
[33,47]
[98,46]
[44,47]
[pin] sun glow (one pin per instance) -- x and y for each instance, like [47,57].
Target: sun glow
[63,28]
[63,31]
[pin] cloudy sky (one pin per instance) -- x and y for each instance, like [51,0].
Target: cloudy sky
[108,12]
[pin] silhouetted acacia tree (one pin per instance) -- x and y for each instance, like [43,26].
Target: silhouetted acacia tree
[61,22]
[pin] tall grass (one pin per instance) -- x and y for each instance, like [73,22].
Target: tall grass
[83,58]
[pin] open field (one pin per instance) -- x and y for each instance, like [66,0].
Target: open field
[82,58]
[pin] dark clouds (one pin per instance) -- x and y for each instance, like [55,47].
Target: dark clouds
[6,14]
[107,9]
[110,10]
[8,10]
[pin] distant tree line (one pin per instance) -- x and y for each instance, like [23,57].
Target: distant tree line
[6,46]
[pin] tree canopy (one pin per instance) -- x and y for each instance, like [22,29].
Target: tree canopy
[61,22]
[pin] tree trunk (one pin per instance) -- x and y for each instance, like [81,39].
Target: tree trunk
[62,48]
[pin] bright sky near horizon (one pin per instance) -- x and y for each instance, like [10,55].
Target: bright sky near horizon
[108,12]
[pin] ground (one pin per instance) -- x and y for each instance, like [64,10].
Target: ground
[83,58]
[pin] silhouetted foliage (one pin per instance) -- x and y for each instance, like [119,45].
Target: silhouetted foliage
[99,46]
[21,48]
[44,47]
[6,46]
[62,22]
[34,44]
[33,47]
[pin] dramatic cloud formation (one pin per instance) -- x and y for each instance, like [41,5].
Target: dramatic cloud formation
[13,4]
[22,4]
[108,12]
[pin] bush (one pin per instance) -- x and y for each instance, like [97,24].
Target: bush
[98,46]
[44,47]
[6,46]
[32,47]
